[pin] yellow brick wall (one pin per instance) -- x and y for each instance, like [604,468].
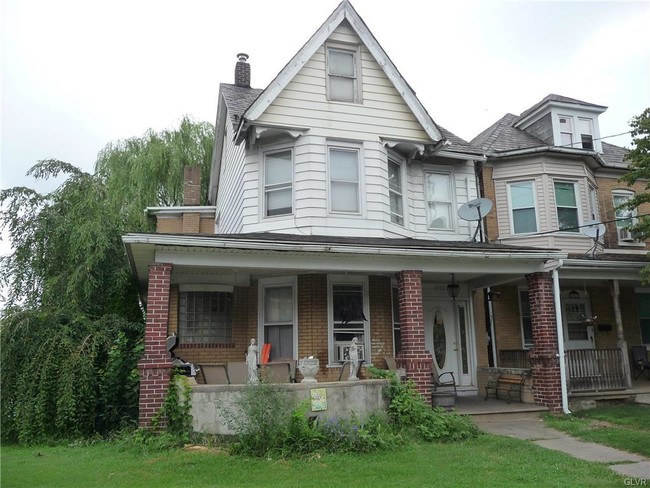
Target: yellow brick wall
[488,192]
[602,306]
[480,331]
[169,225]
[507,323]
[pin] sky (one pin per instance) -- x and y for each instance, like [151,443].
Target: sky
[77,75]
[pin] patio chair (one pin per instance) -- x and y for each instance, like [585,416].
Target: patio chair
[214,374]
[237,372]
[437,381]
[277,372]
[391,365]
[640,361]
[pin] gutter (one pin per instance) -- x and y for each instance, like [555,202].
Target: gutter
[560,338]
[165,240]
[543,149]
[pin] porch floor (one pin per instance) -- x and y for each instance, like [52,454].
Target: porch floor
[476,405]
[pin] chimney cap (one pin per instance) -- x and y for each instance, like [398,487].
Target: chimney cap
[243,57]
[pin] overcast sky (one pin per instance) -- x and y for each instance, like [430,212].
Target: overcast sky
[78,74]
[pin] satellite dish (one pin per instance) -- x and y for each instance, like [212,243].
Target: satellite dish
[475,209]
[593,229]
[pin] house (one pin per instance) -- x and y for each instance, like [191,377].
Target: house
[333,215]
[555,184]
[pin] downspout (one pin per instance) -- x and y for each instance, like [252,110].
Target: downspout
[560,338]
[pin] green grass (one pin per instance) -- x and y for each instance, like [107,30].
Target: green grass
[625,427]
[488,461]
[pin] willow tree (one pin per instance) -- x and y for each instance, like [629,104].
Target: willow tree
[72,329]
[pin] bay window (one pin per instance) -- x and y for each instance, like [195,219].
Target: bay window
[278,183]
[344,179]
[439,198]
[522,207]
[566,206]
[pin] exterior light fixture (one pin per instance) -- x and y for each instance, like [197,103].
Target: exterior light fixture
[573,294]
[453,289]
[494,296]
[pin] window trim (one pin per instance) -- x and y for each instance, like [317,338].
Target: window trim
[355,50]
[392,157]
[579,132]
[628,194]
[263,191]
[347,280]
[511,208]
[576,196]
[452,202]
[571,132]
[345,146]
[277,282]
[397,324]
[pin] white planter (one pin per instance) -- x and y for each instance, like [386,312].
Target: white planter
[309,368]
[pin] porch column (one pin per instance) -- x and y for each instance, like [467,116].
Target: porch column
[155,366]
[620,335]
[545,365]
[413,357]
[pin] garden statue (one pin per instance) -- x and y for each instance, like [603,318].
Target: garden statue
[354,360]
[251,362]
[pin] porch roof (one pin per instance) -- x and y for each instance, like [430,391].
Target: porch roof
[605,266]
[237,257]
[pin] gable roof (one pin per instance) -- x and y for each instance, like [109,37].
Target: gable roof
[344,11]
[238,99]
[502,136]
[614,156]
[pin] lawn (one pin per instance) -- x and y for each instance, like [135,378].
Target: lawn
[625,427]
[488,461]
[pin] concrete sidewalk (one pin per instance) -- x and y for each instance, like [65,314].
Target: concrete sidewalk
[531,427]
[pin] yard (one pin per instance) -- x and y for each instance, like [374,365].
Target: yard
[625,427]
[487,461]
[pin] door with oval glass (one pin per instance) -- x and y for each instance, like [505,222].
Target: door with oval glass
[447,337]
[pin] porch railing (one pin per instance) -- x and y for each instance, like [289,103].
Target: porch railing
[514,358]
[595,370]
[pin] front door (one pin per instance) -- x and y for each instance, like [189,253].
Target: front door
[578,331]
[447,337]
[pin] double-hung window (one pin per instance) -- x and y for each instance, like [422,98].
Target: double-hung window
[342,82]
[586,131]
[205,314]
[566,131]
[344,179]
[278,316]
[522,207]
[278,183]
[439,197]
[348,316]
[566,206]
[395,191]
[526,319]
[625,217]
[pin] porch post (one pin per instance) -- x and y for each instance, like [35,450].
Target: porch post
[545,365]
[413,357]
[155,365]
[620,335]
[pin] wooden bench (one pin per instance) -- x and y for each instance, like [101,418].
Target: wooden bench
[506,382]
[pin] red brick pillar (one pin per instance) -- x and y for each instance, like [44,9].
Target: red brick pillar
[413,357]
[545,365]
[155,365]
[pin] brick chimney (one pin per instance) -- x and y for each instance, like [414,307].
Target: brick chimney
[191,221]
[242,71]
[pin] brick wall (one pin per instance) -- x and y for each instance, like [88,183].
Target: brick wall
[172,225]
[480,331]
[192,185]
[488,192]
[606,207]
[414,357]
[544,362]
[155,364]
[601,306]
[381,319]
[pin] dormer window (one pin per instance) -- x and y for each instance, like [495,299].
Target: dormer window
[586,130]
[342,75]
[566,131]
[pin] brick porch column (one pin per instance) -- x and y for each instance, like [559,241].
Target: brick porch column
[155,365]
[413,357]
[545,365]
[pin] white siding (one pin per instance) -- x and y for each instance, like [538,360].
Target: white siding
[231,183]
[383,112]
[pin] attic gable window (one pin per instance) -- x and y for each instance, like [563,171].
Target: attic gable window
[342,78]
[278,183]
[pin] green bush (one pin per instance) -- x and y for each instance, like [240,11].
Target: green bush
[408,411]
[67,377]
